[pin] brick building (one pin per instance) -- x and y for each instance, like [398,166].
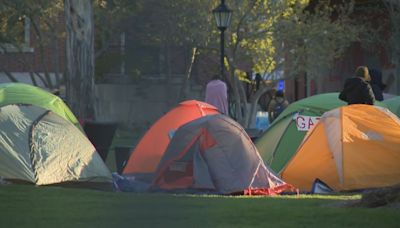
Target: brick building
[373,56]
[37,55]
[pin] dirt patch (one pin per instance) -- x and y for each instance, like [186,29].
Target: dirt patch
[382,197]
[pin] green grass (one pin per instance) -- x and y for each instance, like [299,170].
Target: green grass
[29,206]
[24,206]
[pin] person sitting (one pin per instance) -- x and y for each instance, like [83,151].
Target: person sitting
[277,105]
[357,90]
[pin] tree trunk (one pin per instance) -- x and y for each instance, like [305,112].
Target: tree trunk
[253,107]
[80,57]
[238,114]
[243,101]
[185,87]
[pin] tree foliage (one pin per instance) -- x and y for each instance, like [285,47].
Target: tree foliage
[43,18]
[393,46]
[264,35]
[111,17]
[315,38]
[276,33]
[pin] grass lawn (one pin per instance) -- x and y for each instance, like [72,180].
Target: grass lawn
[29,206]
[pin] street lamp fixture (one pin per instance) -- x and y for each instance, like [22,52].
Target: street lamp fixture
[222,15]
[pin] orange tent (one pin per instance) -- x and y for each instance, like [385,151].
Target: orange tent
[147,154]
[352,147]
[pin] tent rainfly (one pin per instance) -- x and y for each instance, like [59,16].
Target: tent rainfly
[215,153]
[38,146]
[352,147]
[148,152]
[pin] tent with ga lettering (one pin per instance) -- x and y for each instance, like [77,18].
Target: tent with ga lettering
[351,148]
[281,140]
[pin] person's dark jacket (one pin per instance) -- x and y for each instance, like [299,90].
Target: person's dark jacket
[357,91]
[378,92]
[376,84]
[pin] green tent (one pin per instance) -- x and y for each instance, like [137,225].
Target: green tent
[393,105]
[281,140]
[40,147]
[20,93]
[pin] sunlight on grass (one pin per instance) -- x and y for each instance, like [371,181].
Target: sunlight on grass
[301,196]
[64,207]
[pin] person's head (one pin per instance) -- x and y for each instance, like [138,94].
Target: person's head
[362,72]
[279,93]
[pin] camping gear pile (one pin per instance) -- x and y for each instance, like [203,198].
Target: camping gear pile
[318,145]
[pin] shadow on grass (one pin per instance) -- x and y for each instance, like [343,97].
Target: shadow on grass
[24,206]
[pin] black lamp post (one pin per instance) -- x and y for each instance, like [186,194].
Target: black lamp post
[222,16]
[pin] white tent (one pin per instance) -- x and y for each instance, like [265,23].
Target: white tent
[38,146]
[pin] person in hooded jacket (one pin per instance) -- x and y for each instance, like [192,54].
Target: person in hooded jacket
[277,104]
[376,84]
[217,94]
[357,90]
